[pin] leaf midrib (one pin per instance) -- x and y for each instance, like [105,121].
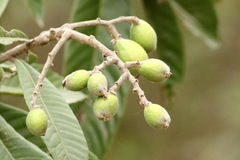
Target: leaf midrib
[6,150]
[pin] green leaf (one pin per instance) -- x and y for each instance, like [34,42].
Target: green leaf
[64,137]
[36,8]
[198,16]
[14,35]
[14,146]
[13,87]
[92,156]
[170,46]
[78,56]
[1,48]
[16,118]
[3,5]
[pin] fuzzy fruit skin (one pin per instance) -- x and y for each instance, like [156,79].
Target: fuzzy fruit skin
[105,108]
[128,50]
[155,70]
[76,81]
[1,74]
[36,122]
[144,34]
[156,116]
[97,84]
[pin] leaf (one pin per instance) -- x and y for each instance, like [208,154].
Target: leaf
[170,46]
[64,137]
[36,8]
[92,156]
[16,118]
[99,134]
[3,5]
[14,35]
[199,17]
[1,48]
[13,87]
[14,146]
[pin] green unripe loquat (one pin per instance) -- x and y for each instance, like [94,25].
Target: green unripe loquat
[36,122]
[105,108]
[128,50]
[76,81]
[144,34]
[156,116]
[155,70]
[97,84]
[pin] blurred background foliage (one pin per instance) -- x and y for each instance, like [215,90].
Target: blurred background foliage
[205,108]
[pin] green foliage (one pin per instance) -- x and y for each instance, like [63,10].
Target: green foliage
[12,86]
[78,56]
[11,149]
[199,16]
[14,35]
[169,46]
[3,5]
[36,9]
[16,118]
[64,137]
[65,133]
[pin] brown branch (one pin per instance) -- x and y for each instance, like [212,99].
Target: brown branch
[65,33]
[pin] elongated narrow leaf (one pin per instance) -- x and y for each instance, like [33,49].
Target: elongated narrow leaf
[169,47]
[3,5]
[13,87]
[14,146]
[16,118]
[14,35]
[98,134]
[64,137]
[36,9]
[199,16]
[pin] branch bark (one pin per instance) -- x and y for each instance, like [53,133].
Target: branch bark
[67,32]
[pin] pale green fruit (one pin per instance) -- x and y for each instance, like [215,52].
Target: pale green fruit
[144,34]
[36,122]
[97,84]
[155,70]
[105,108]
[76,81]
[1,74]
[128,50]
[156,116]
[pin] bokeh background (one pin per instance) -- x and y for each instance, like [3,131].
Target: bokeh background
[205,110]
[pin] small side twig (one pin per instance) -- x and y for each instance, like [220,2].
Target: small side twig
[67,32]
[47,65]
